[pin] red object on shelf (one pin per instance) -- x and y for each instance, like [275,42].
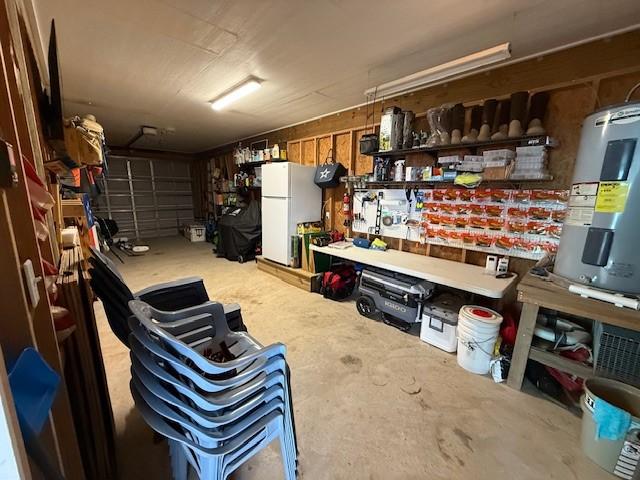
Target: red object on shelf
[49,268]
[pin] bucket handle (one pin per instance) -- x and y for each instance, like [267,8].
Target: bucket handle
[472,344]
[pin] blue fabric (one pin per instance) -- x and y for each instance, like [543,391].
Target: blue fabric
[612,422]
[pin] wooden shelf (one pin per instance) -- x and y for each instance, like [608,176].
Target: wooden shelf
[561,363]
[547,294]
[423,184]
[536,293]
[524,141]
[262,162]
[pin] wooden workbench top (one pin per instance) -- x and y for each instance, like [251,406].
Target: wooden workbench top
[462,276]
[549,295]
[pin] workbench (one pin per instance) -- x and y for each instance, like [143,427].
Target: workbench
[534,293]
[470,278]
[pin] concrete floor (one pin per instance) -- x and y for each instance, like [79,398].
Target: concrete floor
[370,401]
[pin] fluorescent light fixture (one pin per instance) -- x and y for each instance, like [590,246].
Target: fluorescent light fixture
[236,93]
[433,75]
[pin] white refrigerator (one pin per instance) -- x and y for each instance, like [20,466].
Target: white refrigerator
[289,197]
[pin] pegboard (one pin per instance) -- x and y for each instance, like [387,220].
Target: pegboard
[518,223]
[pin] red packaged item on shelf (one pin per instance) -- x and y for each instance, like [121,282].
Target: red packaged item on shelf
[431,207]
[516,212]
[478,222]
[482,194]
[433,218]
[431,232]
[40,222]
[438,195]
[443,234]
[447,220]
[476,209]
[500,195]
[522,244]
[543,195]
[505,242]
[448,208]
[538,213]
[468,238]
[554,231]
[522,196]
[561,196]
[462,222]
[495,223]
[536,228]
[484,240]
[455,236]
[467,195]
[49,268]
[463,209]
[516,227]
[451,194]
[494,210]
[558,215]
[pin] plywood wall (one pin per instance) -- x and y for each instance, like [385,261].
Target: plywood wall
[308,152]
[579,80]
[568,106]
[592,62]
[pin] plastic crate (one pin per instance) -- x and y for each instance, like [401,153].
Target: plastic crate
[195,233]
[617,353]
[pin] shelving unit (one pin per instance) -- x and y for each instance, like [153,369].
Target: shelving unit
[536,293]
[435,183]
[262,162]
[518,141]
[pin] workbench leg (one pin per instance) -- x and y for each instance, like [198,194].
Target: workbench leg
[528,318]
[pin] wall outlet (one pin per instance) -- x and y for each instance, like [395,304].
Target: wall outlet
[491,264]
[32,282]
[503,265]
[327,215]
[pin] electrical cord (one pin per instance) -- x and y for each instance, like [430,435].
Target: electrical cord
[633,89]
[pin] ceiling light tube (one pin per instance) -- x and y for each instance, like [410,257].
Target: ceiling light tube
[236,93]
[432,75]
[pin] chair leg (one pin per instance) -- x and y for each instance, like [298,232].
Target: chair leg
[288,465]
[293,419]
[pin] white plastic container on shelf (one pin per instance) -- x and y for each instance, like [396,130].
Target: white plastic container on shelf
[503,153]
[532,151]
[439,322]
[531,162]
[194,232]
[478,330]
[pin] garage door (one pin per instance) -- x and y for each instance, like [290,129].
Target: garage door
[147,197]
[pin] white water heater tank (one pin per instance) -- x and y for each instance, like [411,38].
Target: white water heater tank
[600,244]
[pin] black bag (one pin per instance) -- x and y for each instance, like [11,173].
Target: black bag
[328,175]
[368,143]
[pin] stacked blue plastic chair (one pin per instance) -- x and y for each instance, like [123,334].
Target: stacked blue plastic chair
[218,396]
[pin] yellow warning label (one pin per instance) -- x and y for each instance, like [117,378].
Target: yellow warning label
[612,197]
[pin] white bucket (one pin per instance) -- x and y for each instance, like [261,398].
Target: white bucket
[478,330]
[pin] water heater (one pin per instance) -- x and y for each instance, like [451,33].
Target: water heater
[600,244]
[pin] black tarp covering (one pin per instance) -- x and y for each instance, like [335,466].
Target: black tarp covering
[239,232]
